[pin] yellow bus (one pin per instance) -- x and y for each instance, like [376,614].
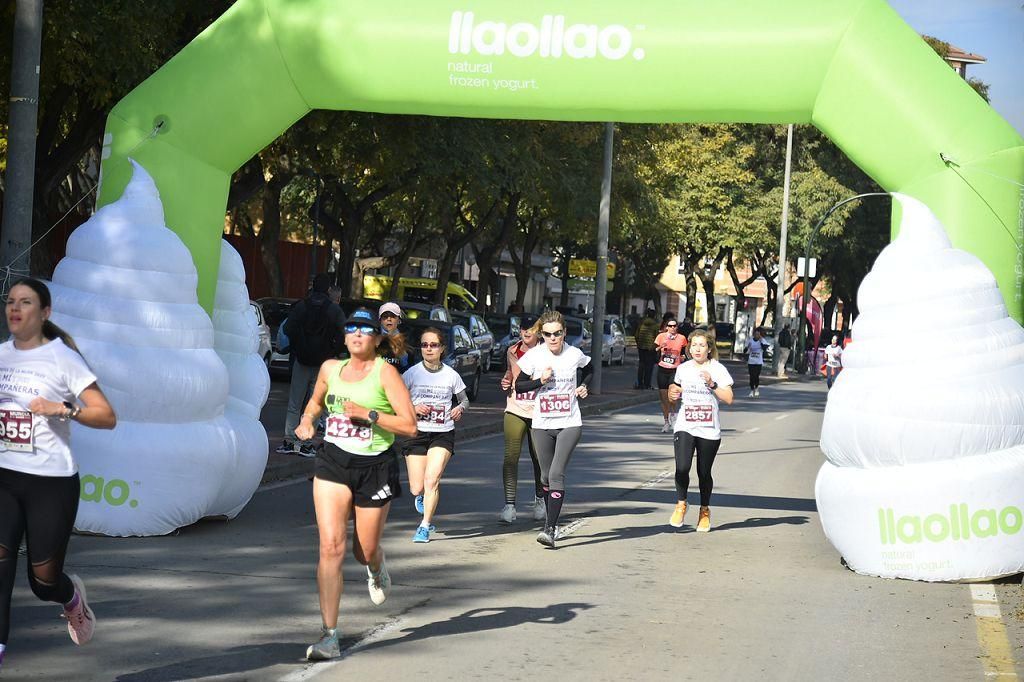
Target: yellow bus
[419,290]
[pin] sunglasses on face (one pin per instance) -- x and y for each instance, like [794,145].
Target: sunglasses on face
[552,335]
[430,344]
[361,328]
[672,325]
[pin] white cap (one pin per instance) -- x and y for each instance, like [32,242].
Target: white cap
[389,308]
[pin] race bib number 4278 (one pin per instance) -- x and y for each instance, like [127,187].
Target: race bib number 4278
[16,430]
[340,426]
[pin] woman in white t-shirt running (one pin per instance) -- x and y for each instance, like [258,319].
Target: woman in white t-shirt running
[432,386]
[557,372]
[44,386]
[833,360]
[699,385]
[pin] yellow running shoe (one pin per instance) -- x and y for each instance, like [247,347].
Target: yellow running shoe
[704,520]
[677,515]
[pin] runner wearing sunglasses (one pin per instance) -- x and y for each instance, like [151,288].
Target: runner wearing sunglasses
[433,386]
[357,472]
[557,372]
[670,347]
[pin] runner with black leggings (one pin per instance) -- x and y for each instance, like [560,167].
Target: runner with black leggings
[557,373]
[699,384]
[45,385]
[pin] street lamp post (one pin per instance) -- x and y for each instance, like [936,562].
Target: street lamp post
[805,294]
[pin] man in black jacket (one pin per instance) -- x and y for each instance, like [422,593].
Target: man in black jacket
[315,333]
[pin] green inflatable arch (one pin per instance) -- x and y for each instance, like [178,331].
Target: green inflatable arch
[852,68]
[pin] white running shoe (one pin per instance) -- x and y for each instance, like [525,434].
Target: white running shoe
[508,513]
[757,393]
[666,428]
[540,509]
[379,583]
[751,394]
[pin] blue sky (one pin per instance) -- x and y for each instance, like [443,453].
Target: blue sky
[992,28]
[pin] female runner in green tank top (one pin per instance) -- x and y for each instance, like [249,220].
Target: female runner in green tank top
[357,473]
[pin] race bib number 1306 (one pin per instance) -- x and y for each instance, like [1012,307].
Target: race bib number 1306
[555,404]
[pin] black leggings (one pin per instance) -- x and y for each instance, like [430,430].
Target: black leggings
[41,509]
[685,444]
[755,375]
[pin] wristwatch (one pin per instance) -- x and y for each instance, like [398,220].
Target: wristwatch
[72,409]
[713,385]
[372,416]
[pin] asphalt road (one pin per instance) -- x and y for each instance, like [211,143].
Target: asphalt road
[623,597]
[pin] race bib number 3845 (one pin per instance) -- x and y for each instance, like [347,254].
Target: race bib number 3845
[16,430]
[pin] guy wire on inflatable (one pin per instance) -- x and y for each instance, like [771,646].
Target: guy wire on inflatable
[896,498]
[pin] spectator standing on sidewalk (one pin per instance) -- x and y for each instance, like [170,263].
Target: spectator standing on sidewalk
[314,331]
[646,333]
[785,347]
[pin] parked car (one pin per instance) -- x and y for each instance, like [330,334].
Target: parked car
[614,345]
[725,337]
[578,333]
[460,352]
[275,312]
[481,333]
[430,311]
[266,347]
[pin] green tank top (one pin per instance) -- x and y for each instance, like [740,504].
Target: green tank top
[357,438]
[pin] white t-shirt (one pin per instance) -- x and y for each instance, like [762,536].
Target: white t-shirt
[698,405]
[555,406]
[437,390]
[755,352]
[833,356]
[32,443]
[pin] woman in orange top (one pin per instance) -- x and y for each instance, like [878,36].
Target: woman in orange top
[670,346]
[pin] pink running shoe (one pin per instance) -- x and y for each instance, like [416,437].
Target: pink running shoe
[81,620]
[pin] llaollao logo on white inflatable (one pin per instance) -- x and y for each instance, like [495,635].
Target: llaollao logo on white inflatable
[114,492]
[551,39]
[960,523]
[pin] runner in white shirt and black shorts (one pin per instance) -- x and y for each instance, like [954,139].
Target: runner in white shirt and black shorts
[433,387]
[557,372]
[699,385]
[44,383]
[755,362]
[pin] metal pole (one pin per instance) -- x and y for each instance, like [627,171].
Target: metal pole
[780,278]
[21,144]
[601,287]
[805,294]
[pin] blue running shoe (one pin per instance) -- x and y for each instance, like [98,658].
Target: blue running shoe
[419,504]
[422,534]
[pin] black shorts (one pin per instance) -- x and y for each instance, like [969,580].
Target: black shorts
[373,479]
[425,440]
[665,377]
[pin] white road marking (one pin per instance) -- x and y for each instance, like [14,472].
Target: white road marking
[657,479]
[753,430]
[996,652]
[782,416]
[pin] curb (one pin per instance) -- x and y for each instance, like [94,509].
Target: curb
[305,466]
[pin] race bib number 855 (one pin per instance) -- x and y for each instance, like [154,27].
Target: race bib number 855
[16,430]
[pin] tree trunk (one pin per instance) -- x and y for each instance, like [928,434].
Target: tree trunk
[828,310]
[491,252]
[270,232]
[691,297]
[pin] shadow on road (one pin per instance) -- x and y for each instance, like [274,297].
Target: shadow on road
[479,620]
[238,660]
[763,521]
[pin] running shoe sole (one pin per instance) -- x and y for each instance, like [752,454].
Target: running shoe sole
[80,589]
